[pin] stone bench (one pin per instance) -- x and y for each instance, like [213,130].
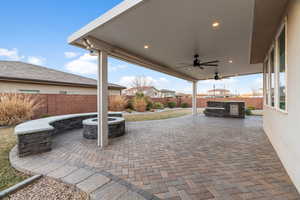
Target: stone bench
[35,136]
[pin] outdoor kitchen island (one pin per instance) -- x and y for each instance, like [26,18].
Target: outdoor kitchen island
[234,109]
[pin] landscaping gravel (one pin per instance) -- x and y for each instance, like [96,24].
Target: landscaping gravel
[48,189]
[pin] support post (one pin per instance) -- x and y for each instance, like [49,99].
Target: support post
[194,98]
[102,99]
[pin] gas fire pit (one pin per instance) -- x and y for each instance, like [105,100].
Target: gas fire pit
[116,127]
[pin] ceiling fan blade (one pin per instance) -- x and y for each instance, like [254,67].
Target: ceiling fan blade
[210,62]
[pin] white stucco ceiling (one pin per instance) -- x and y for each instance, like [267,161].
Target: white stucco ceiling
[175,30]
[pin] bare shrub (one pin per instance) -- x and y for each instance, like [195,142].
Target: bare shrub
[16,108]
[139,104]
[117,103]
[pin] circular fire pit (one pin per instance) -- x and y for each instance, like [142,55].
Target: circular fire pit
[116,127]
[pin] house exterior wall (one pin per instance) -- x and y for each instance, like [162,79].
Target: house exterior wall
[149,91]
[167,94]
[283,128]
[14,87]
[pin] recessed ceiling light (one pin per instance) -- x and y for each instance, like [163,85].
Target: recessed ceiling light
[215,24]
[146,46]
[230,61]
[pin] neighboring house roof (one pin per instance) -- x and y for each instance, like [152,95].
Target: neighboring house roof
[25,72]
[167,91]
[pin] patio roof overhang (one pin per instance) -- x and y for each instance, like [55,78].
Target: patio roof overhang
[175,30]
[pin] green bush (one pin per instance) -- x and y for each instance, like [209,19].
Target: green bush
[149,105]
[184,105]
[248,111]
[171,104]
[251,108]
[129,104]
[158,105]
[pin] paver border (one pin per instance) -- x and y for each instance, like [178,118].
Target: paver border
[16,163]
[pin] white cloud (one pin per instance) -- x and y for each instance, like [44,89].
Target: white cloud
[159,83]
[36,60]
[10,54]
[257,83]
[186,90]
[113,68]
[70,54]
[87,65]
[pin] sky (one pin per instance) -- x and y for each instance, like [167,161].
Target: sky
[36,31]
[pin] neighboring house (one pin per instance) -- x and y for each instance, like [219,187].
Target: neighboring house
[149,91]
[219,93]
[179,94]
[20,77]
[167,93]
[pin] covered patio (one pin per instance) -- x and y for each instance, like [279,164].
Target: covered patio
[191,157]
[166,35]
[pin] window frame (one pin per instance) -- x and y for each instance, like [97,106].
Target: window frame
[282,27]
[272,79]
[265,81]
[267,74]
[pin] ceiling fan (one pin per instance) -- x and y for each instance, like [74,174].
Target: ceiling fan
[197,63]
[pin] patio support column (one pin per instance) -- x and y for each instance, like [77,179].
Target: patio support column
[102,99]
[194,98]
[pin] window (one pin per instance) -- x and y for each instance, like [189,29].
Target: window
[275,76]
[29,91]
[281,42]
[272,77]
[266,82]
[62,92]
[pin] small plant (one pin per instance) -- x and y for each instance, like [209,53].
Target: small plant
[149,104]
[171,104]
[251,108]
[128,110]
[129,104]
[184,105]
[158,105]
[248,111]
[139,104]
[117,103]
[17,108]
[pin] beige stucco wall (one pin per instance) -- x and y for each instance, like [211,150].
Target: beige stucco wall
[12,87]
[283,129]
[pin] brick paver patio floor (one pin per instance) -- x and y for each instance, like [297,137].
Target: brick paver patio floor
[187,158]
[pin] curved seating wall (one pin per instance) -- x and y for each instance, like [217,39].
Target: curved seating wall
[35,136]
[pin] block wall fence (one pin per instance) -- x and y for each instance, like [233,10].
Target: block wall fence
[60,104]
